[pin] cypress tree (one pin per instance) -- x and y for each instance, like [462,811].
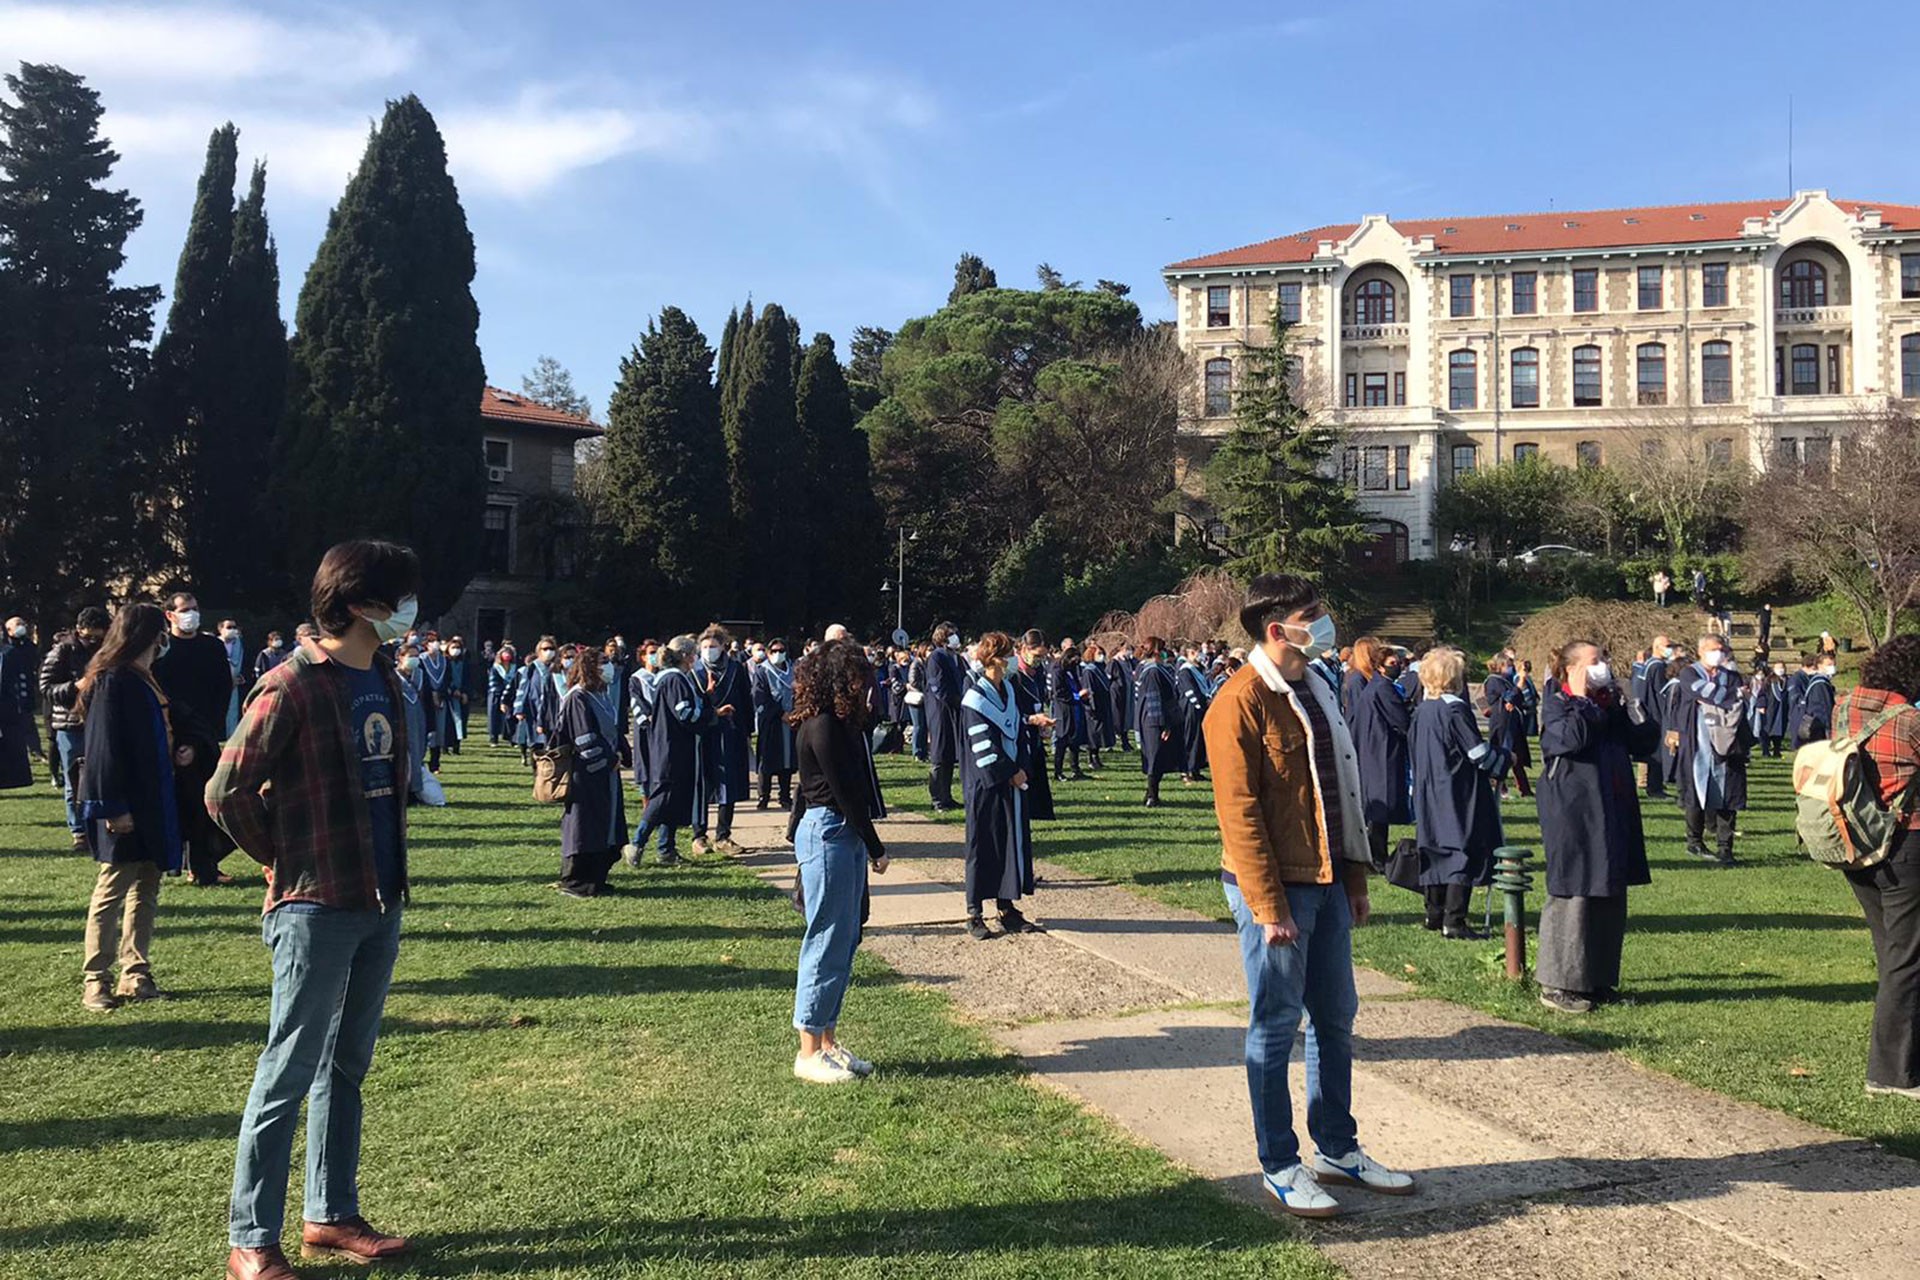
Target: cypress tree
[75,462]
[971,275]
[664,476]
[256,360]
[765,470]
[845,518]
[728,335]
[382,434]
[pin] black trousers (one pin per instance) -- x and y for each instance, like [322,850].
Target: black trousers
[1722,821]
[940,785]
[786,788]
[1447,904]
[1377,843]
[587,870]
[1889,894]
[1060,750]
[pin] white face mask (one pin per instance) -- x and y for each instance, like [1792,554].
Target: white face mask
[1599,676]
[408,663]
[395,624]
[710,654]
[1713,660]
[1321,634]
[20,632]
[606,672]
[455,652]
[188,620]
[778,657]
[953,641]
[1667,652]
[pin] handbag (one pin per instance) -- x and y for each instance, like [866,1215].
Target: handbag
[914,697]
[1403,865]
[553,775]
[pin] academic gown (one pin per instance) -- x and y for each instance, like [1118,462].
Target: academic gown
[1156,711]
[1766,695]
[1453,770]
[436,675]
[1120,674]
[1350,686]
[595,819]
[500,682]
[1588,802]
[946,685]
[676,739]
[536,699]
[1506,713]
[414,708]
[772,702]
[1382,722]
[1069,698]
[999,831]
[1720,782]
[896,693]
[1099,699]
[1195,696]
[1039,787]
[19,736]
[640,718]
[1815,721]
[727,751]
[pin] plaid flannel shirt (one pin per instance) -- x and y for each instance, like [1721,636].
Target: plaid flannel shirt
[1894,750]
[289,791]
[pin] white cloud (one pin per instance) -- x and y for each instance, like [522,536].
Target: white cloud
[201,44]
[310,158]
[524,148]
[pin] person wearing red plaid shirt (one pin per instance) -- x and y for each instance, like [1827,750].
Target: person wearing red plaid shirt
[312,786]
[1889,893]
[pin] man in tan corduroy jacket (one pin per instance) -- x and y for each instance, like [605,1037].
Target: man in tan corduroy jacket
[1294,860]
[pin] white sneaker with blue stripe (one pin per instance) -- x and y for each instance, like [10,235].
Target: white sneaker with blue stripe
[1358,1169]
[1299,1194]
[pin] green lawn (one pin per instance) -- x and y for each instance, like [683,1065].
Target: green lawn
[565,1089]
[1756,981]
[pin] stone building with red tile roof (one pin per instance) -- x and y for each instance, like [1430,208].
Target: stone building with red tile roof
[1755,330]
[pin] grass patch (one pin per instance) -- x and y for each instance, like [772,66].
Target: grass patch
[564,1089]
[1756,981]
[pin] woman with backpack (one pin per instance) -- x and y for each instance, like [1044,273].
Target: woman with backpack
[1889,892]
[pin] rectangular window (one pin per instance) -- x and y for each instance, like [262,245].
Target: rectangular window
[1374,391]
[1373,469]
[1819,455]
[1910,275]
[1403,467]
[1713,284]
[1651,373]
[1399,388]
[1806,369]
[1525,452]
[1219,306]
[1525,293]
[1463,391]
[1353,390]
[1350,467]
[1586,289]
[1526,378]
[1786,452]
[496,539]
[1587,453]
[1716,373]
[500,453]
[1720,453]
[1650,278]
[1460,293]
[1833,371]
[1586,377]
[1910,365]
[1779,371]
[1290,303]
[1464,457]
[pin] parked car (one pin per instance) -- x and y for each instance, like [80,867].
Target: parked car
[1546,553]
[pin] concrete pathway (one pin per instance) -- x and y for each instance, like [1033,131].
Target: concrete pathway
[1536,1156]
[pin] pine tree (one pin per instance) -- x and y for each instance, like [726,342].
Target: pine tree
[841,508]
[255,399]
[662,495]
[75,461]
[551,384]
[729,334]
[1271,479]
[382,435]
[765,468]
[971,275]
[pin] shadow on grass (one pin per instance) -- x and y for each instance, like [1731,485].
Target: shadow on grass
[586,932]
[73,1231]
[105,1130]
[1713,922]
[121,1031]
[571,981]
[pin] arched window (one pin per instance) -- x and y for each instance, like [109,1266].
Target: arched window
[1219,388]
[1806,369]
[1587,453]
[1463,381]
[1804,284]
[1650,372]
[1525,451]
[1586,376]
[1373,303]
[1910,366]
[1716,372]
[1526,378]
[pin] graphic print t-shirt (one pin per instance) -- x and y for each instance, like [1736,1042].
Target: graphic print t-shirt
[373,729]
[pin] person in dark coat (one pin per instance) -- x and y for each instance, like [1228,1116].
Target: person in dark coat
[1507,711]
[502,676]
[675,740]
[536,699]
[270,657]
[1122,670]
[1159,719]
[460,680]
[1589,828]
[128,805]
[1767,696]
[1715,738]
[1354,678]
[946,685]
[640,715]
[60,674]
[1069,699]
[1196,695]
[198,682]
[19,734]
[436,696]
[1453,774]
[916,700]
[772,704]
[1036,725]
[593,825]
[1381,723]
[994,769]
[726,753]
[1814,723]
[1099,690]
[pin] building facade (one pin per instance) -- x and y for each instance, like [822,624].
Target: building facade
[529,523]
[1758,330]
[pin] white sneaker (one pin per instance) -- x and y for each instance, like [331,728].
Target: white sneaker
[819,1068]
[1299,1194]
[1359,1169]
[1894,1090]
[630,854]
[844,1056]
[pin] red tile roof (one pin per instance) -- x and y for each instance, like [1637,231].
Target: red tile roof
[512,407]
[1550,232]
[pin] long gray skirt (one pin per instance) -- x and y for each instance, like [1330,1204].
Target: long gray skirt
[1580,941]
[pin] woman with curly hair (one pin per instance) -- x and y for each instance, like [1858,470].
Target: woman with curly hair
[831,827]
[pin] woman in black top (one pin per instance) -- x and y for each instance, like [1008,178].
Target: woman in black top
[835,844]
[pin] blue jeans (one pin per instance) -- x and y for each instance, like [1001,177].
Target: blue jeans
[917,717]
[833,883]
[72,744]
[330,976]
[1315,974]
[649,823]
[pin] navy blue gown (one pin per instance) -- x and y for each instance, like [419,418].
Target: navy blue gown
[999,830]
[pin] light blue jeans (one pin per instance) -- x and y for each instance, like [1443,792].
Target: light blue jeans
[1314,975]
[330,975]
[833,884]
[72,744]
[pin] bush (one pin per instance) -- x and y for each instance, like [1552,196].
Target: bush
[1726,574]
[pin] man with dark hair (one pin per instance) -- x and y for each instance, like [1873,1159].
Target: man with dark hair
[1295,862]
[194,674]
[270,657]
[946,685]
[311,786]
[60,676]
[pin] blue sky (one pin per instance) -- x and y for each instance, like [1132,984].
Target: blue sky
[836,158]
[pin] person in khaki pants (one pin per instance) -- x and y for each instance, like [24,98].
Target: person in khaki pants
[125,800]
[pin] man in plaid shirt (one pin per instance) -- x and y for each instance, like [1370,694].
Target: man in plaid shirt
[312,785]
[1889,893]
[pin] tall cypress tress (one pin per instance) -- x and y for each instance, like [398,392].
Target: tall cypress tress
[843,517]
[256,400]
[382,435]
[765,470]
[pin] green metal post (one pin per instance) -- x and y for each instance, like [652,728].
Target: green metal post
[1511,877]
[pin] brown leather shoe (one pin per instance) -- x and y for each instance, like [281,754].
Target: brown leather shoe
[269,1263]
[354,1240]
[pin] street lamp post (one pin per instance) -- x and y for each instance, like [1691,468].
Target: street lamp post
[899,584]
